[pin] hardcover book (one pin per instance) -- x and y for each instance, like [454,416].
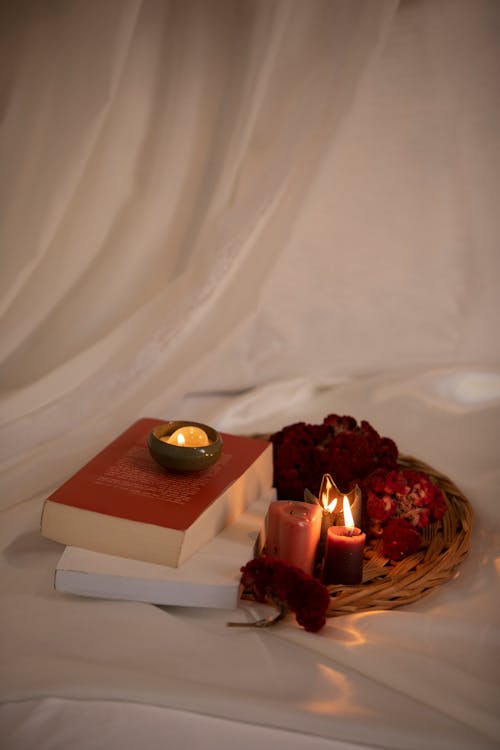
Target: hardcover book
[210,578]
[123,503]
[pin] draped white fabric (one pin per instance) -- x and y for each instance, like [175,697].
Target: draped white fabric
[425,675]
[213,195]
[156,154]
[239,211]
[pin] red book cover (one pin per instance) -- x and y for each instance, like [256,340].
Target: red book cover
[123,480]
[123,503]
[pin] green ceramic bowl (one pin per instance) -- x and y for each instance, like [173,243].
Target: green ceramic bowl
[181,458]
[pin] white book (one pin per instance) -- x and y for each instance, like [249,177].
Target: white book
[210,578]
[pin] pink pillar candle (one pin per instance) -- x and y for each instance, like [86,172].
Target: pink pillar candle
[292,532]
[344,555]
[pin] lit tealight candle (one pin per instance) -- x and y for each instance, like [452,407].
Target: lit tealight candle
[344,551]
[187,437]
[328,501]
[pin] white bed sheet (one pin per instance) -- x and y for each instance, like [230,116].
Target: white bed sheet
[425,675]
[60,724]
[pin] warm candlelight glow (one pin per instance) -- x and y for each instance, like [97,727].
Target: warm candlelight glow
[187,437]
[348,519]
[327,489]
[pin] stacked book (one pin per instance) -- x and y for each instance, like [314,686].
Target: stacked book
[134,530]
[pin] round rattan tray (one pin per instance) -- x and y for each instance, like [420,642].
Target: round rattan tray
[386,584]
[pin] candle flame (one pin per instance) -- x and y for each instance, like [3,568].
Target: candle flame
[348,519]
[188,436]
[327,488]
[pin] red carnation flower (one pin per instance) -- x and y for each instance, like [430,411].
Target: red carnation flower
[380,508]
[272,580]
[339,446]
[399,539]
[405,496]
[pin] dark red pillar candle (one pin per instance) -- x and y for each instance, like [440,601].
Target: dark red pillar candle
[344,555]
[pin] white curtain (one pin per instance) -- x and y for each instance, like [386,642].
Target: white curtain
[218,194]
[155,154]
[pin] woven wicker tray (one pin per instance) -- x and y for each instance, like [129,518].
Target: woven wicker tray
[386,584]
